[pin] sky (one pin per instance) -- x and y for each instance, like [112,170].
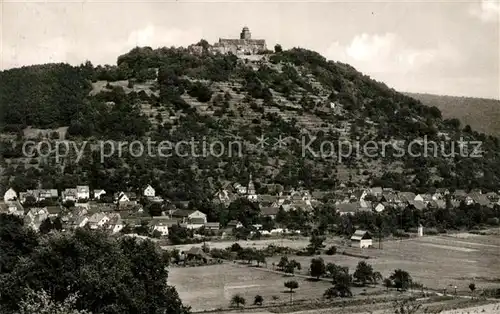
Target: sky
[440,47]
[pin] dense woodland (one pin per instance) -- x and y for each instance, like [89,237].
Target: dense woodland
[48,96]
[85,271]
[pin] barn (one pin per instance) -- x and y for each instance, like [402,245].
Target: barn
[361,239]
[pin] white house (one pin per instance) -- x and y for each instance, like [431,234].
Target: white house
[115,223]
[161,227]
[99,193]
[10,195]
[379,207]
[82,192]
[149,191]
[69,195]
[98,220]
[419,197]
[361,239]
[190,216]
[122,197]
[79,222]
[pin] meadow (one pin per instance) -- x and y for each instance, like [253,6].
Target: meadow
[436,261]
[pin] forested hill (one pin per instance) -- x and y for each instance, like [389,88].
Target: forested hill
[174,94]
[480,113]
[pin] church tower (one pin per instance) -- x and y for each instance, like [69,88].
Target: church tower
[245,34]
[251,194]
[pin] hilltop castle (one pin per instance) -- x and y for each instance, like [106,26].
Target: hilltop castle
[244,45]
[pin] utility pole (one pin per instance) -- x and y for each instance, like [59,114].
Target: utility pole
[379,238]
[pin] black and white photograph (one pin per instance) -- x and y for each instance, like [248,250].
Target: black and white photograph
[255,157]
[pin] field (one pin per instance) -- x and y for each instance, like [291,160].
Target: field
[211,287]
[437,262]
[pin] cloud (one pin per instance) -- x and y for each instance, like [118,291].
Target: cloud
[74,50]
[486,10]
[158,37]
[387,53]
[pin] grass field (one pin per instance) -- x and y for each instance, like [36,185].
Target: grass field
[211,287]
[437,262]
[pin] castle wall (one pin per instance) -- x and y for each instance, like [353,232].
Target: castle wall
[240,46]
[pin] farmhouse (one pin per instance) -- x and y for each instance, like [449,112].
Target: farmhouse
[361,239]
[190,217]
[161,227]
[149,191]
[10,195]
[82,192]
[69,195]
[99,193]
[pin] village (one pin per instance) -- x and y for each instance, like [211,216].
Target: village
[83,207]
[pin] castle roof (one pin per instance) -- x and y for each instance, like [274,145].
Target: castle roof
[224,41]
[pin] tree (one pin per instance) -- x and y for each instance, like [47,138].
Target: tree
[472,287]
[318,267]
[387,283]
[39,302]
[401,279]
[283,263]
[364,273]
[237,300]
[258,300]
[408,306]
[278,48]
[16,242]
[291,266]
[109,275]
[57,224]
[315,244]
[259,257]
[235,247]
[45,226]
[342,284]
[291,284]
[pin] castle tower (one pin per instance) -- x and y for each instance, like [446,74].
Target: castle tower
[245,34]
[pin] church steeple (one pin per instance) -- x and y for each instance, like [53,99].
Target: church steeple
[251,187]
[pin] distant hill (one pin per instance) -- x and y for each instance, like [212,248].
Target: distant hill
[480,113]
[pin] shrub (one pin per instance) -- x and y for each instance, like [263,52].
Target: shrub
[332,250]
[258,300]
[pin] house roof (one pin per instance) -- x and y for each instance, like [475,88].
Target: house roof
[347,207]
[183,212]
[82,189]
[376,190]
[95,218]
[4,208]
[437,204]
[361,235]
[70,192]
[407,196]
[481,199]
[212,224]
[269,211]
[196,221]
[319,194]
[417,204]
[54,210]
